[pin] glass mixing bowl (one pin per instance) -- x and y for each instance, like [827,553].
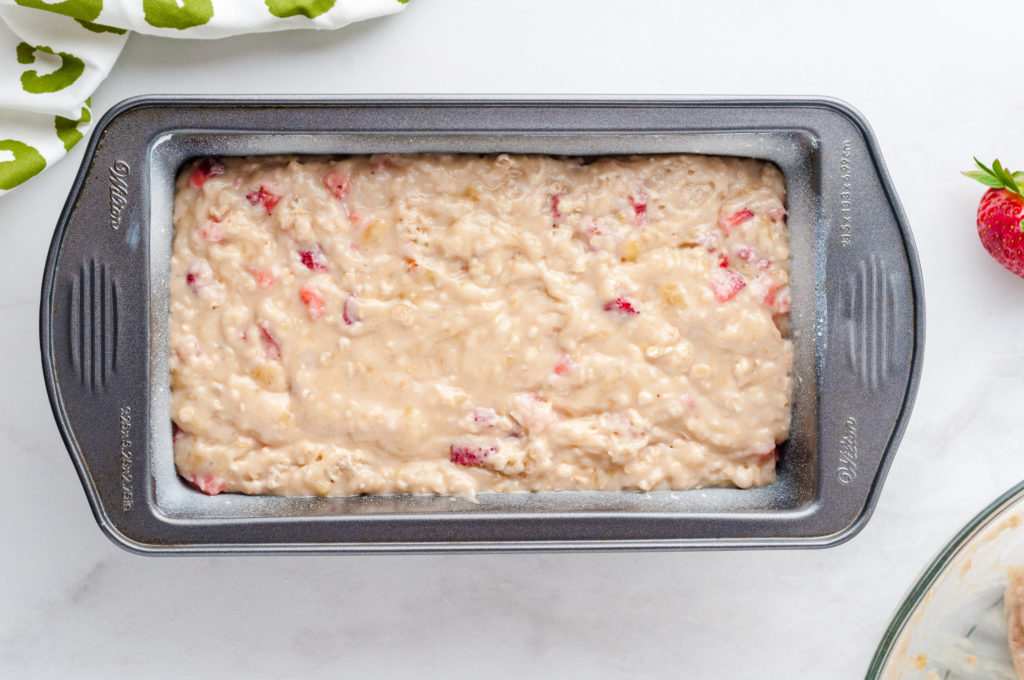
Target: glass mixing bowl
[951,624]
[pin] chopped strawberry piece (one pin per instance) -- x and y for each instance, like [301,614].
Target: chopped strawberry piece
[772,292]
[763,458]
[777,214]
[265,197]
[779,302]
[592,231]
[767,286]
[338,184]
[208,484]
[270,343]
[735,219]
[726,283]
[207,168]
[468,454]
[723,260]
[639,203]
[265,278]
[211,231]
[485,416]
[744,253]
[709,242]
[555,198]
[621,305]
[199,275]
[313,259]
[313,300]
[351,311]
[564,364]
[556,214]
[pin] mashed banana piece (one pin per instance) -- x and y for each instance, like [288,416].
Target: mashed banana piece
[453,324]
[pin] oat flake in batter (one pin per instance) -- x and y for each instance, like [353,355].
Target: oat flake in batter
[453,324]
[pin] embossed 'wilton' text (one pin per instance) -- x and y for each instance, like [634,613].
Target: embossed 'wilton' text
[119,172]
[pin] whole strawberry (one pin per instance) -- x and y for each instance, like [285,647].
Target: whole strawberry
[1001,214]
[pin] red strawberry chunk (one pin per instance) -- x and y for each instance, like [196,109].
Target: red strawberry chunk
[270,342]
[763,458]
[778,301]
[621,305]
[199,275]
[469,455]
[564,364]
[338,184]
[735,219]
[313,300]
[726,283]
[265,197]
[313,259]
[556,214]
[723,260]
[211,485]
[777,214]
[351,311]
[207,168]
[265,278]
[639,204]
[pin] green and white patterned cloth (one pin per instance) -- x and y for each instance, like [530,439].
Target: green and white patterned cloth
[54,54]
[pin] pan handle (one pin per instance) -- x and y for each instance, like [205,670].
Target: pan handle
[94,323]
[871,315]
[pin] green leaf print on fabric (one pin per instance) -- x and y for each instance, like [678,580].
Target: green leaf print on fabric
[168,13]
[86,10]
[307,8]
[100,28]
[27,162]
[67,128]
[71,67]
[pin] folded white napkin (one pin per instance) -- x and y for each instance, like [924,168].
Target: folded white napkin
[53,54]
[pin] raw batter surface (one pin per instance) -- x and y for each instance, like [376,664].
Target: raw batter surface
[446,324]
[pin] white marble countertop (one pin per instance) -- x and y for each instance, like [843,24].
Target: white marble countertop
[72,604]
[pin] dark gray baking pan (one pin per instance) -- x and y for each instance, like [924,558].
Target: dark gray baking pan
[857,319]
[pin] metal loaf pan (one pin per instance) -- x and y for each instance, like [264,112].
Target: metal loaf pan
[857,319]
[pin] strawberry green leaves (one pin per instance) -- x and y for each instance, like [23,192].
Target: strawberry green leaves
[997,176]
